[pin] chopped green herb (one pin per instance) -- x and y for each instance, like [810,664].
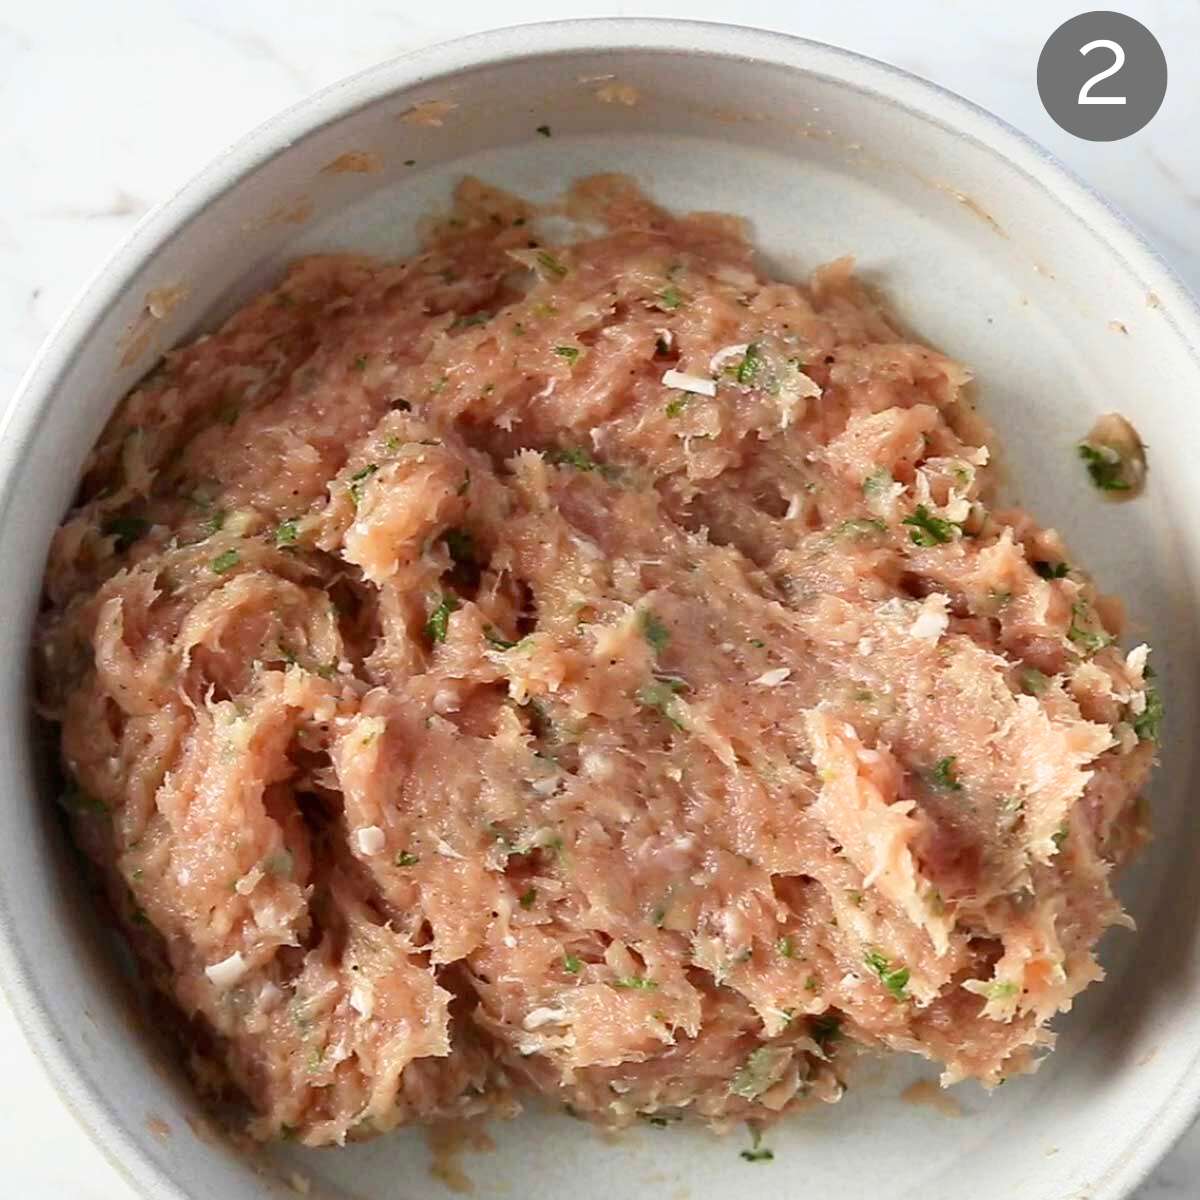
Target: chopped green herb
[1147,722]
[286,532]
[360,362]
[661,1120]
[1105,466]
[670,297]
[895,979]
[216,522]
[528,897]
[406,859]
[824,1029]
[676,406]
[660,695]
[786,947]
[461,544]
[757,1152]
[548,262]
[811,984]
[439,619]
[226,562]
[635,983]
[572,964]
[858,528]
[1087,639]
[281,863]
[358,480]
[758,643]
[1033,681]
[761,1071]
[570,353]
[1003,989]
[125,530]
[1060,836]
[76,800]
[928,530]
[751,362]
[1048,570]
[544,130]
[654,631]
[946,775]
[877,483]
[855,897]
[489,632]
[573,456]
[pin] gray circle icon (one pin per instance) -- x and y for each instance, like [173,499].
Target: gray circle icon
[1102,76]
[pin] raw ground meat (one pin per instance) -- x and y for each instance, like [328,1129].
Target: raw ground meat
[589,669]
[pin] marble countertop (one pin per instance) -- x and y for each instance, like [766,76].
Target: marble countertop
[107,108]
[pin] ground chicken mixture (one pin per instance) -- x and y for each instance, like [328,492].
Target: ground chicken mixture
[589,670]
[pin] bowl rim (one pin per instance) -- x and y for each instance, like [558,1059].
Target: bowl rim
[24,417]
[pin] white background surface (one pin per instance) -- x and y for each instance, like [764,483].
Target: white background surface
[109,106]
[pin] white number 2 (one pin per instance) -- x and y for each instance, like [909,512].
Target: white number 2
[1085,92]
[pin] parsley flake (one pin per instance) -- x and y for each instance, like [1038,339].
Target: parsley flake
[286,532]
[1105,467]
[894,978]
[654,631]
[927,529]
[945,774]
[439,619]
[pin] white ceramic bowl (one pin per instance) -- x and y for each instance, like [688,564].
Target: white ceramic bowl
[987,247]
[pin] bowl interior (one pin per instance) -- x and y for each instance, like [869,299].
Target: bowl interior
[985,253]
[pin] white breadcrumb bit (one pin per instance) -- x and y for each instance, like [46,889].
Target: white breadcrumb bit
[445,849]
[597,765]
[551,384]
[1137,703]
[723,355]
[866,647]
[543,1016]
[370,840]
[228,971]
[299,1183]
[666,336]
[446,700]
[932,621]
[546,785]
[269,996]
[253,877]
[807,387]
[774,677]
[794,508]
[1135,660]
[695,384]
[587,547]
[362,1000]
